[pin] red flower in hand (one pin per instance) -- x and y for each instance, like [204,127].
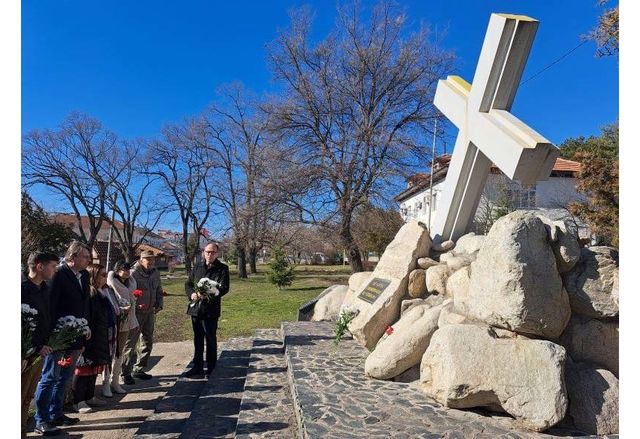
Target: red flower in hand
[65,362]
[389,330]
[137,293]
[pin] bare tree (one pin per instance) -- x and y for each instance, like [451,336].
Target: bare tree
[357,105]
[78,162]
[181,162]
[240,151]
[131,202]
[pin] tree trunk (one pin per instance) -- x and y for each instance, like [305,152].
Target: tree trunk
[253,255]
[352,248]
[242,262]
[185,248]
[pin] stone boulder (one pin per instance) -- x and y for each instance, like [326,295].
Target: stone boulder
[443,246]
[469,244]
[404,347]
[458,283]
[436,279]
[593,341]
[469,366]
[407,304]
[565,245]
[457,262]
[425,263]
[417,285]
[514,281]
[591,283]
[328,305]
[593,398]
[449,315]
[380,307]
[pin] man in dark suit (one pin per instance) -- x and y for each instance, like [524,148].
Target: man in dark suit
[204,315]
[69,296]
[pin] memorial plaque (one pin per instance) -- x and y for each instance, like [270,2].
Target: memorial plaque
[374,289]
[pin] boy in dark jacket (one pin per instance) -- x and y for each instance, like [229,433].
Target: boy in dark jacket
[35,293]
[204,315]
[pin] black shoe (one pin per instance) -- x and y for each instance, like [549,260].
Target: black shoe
[64,420]
[194,372]
[128,380]
[46,429]
[142,375]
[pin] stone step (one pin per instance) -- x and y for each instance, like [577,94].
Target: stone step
[332,398]
[215,413]
[175,409]
[266,410]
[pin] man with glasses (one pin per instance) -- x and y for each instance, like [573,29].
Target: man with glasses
[69,296]
[204,315]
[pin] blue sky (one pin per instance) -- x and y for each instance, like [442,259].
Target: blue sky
[138,65]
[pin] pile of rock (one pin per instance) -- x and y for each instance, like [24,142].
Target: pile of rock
[521,320]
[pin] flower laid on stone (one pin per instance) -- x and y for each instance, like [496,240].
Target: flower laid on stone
[347,313]
[67,330]
[29,316]
[389,330]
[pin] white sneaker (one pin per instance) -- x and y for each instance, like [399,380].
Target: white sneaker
[96,402]
[117,388]
[82,407]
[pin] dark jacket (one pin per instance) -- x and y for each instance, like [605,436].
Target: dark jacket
[67,298]
[216,271]
[149,282]
[101,318]
[37,297]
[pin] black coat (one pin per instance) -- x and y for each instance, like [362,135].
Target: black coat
[67,298]
[216,271]
[101,318]
[37,297]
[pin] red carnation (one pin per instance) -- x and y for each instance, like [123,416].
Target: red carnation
[137,293]
[65,362]
[389,330]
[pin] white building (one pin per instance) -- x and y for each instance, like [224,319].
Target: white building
[550,197]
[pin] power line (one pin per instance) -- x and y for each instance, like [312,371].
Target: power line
[555,62]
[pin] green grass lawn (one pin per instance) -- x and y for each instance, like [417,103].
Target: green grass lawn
[250,304]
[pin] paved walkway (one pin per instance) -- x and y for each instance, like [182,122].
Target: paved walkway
[334,399]
[124,414]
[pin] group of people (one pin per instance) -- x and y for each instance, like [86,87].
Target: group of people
[120,307]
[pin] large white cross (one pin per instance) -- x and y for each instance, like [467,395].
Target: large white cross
[488,131]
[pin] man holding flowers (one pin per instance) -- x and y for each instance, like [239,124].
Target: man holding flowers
[35,295]
[69,298]
[207,283]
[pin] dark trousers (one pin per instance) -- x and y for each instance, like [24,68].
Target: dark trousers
[204,328]
[83,387]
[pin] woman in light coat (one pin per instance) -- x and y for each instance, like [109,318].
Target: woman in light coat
[124,285]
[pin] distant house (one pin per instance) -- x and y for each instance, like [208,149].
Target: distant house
[549,197]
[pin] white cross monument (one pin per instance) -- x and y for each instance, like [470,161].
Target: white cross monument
[488,131]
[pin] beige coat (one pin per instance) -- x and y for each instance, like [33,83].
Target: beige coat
[125,292]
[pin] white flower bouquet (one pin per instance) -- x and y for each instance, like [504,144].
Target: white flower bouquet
[29,316]
[68,329]
[207,289]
